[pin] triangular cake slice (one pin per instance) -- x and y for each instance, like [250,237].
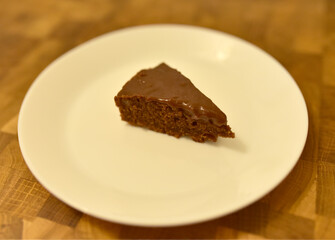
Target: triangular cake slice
[163,100]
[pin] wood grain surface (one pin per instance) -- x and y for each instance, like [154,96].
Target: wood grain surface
[299,33]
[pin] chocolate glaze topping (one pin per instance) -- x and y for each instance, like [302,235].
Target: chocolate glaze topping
[167,85]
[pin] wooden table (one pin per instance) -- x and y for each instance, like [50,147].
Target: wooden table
[299,33]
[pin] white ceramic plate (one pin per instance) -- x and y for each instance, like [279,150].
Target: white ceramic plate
[74,142]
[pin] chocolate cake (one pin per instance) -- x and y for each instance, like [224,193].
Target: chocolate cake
[163,100]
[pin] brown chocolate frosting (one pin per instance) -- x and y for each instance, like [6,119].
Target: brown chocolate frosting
[168,85]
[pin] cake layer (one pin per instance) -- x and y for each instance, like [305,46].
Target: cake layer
[161,117]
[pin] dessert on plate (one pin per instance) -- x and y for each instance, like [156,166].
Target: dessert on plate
[165,101]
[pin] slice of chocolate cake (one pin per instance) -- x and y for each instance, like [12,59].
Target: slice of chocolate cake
[163,100]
